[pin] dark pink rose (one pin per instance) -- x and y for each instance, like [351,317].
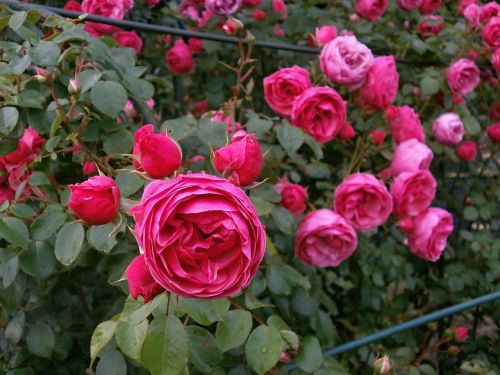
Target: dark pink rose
[325,239]
[107,8]
[259,15]
[346,132]
[491,33]
[96,200]
[140,281]
[431,229]
[363,201]
[371,10]
[377,136]
[448,129]
[429,6]
[240,161]
[404,124]
[325,34]
[463,76]
[494,111]
[461,333]
[381,83]
[488,11]
[200,234]
[282,88]
[278,30]
[129,39]
[410,155]
[28,148]
[89,168]
[279,6]
[495,60]
[493,132]
[321,112]
[195,45]
[73,5]
[293,196]
[467,150]
[252,3]
[430,25]
[6,194]
[413,192]
[179,58]
[409,4]
[157,154]
[152,3]
[463,4]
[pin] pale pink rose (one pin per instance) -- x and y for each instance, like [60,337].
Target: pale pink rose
[429,6]
[410,155]
[200,234]
[363,200]
[431,229]
[321,112]
[107,8]
[463,4]
[488,11]
[463,76]
[430,25]
[495,60]
[491,33]
[179,58]
[325,34]
[345,61]
[371,10]
[293,196]
[413,192]
[473,15]
[448,129]
[129,39]
[140,282]
[381,83]
[282,88]
[409,4]
[325,239]
[404,124]
[218,117]
[129,109]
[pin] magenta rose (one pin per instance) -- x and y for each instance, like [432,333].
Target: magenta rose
[325,239]
[321,112]
[431,229]
[495,60]
[6,194]
[325,34]
[463,4]
[73,5]
[107,8]
[179,58]
[371,10]
[488,11]
[493,132]
[345,61]
[448,129]
[413,192]
[223,7]
[293,196]
[473,15]
[461,333]
[409,4]
[129,39]
[429,6]
[404,124]
[381,83]
[463,76]
[140,282]
[467,150]
[410,155]
[363,200]
[430,25]
[491,33]
[200,234]
[282,88]
[28,148]
[96,200]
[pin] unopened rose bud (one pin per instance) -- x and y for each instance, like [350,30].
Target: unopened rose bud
[42,75]
[40,78]
[74,87]
[233,26]
[382,365]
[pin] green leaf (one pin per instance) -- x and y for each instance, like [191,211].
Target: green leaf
[46,53]
[47,224]
[14,330]
[204,311]
[203,353]
[136,316]
[332,367]
[38,178]
[471,213]
[181,127]
[17,20]
[140,88]
[263,348]
[429,85]
[38,260]
[108,97]
[258,126]
[310,356]
[472,125]
[88,78]
[165,349]
[233,330]
[102,238]
[31,99]
[283,219]
[69,243]
[291,339]
[290,138]
[100,338]
[212,134]
[129,183]
[14,231]
[120,142]
[8,119]
[262,206]
[41,339]
[9,269]
[130,338]
[276,283]
[111,363]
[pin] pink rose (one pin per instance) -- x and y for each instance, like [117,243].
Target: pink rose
[430,25]
[73,6]
[410,155]
[461,333]
[448,129]
[346,132]
[463,76]
[223,7]
[467,150]
[409,4]
[324,239]
[96,200]
[325,35]
[363,201]
[240,161]
[488,11]
[431,229]
[129,109]
[381,84]
[157,154]
[218,116]
[293,196]
[108,8]
[413,192]
[278,30]
[6,194]
[377,136]
[463,4]
[495,60]
[195,45]
[251,3]
[28,149]
[404,124]
[282,88]
[129,39]
[140,281]
[321,112]
[491,33]
[345,60]
[279,6]
[493,132]
[371,10]
[472,14]
[259,15]
[200,234]
[429,6]
[89,168]
[494,111]
[179,58]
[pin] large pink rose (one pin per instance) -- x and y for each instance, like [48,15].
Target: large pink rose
[431,229]
[463,76]
[409,4]
[371,10]
[321,112]
[200,234]
[325,239]
[107,8]
[179,58]
[129,39]
[448,129]
[404,124]
[282,88]
[345,60]
[413,192]
[363,201]
[489,10]
[410,155]
[491,33]
[429,6]
[381,83]
[293,196]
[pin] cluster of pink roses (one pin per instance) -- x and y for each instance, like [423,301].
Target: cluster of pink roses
[372,10]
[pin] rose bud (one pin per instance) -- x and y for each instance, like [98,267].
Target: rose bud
[377,136]
[89,168]
[461,333]
[448,129]
[233,26]
[467,150]
[382,365]
[240,161]
[96,200]
[406,225]
[74,87]
[179,58]
[325,34]
[156,154]
[463,76]
[42,75]
[195,45]
[259,15]
[293,196]
[453,349]
[140,281]
[346,132]
[129,109]
[409,4]
[493,132]
[371,10]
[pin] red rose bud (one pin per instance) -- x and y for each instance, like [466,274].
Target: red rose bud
[240,161]
[346,132]
[196,45]
[140,281]
[467,150]
[74,87]
[156,154]
[493,132]
[378,136]
[461,333]
[259,15]
[96,200]
[89,168]
[382,365]
[293,196]
[232,26]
